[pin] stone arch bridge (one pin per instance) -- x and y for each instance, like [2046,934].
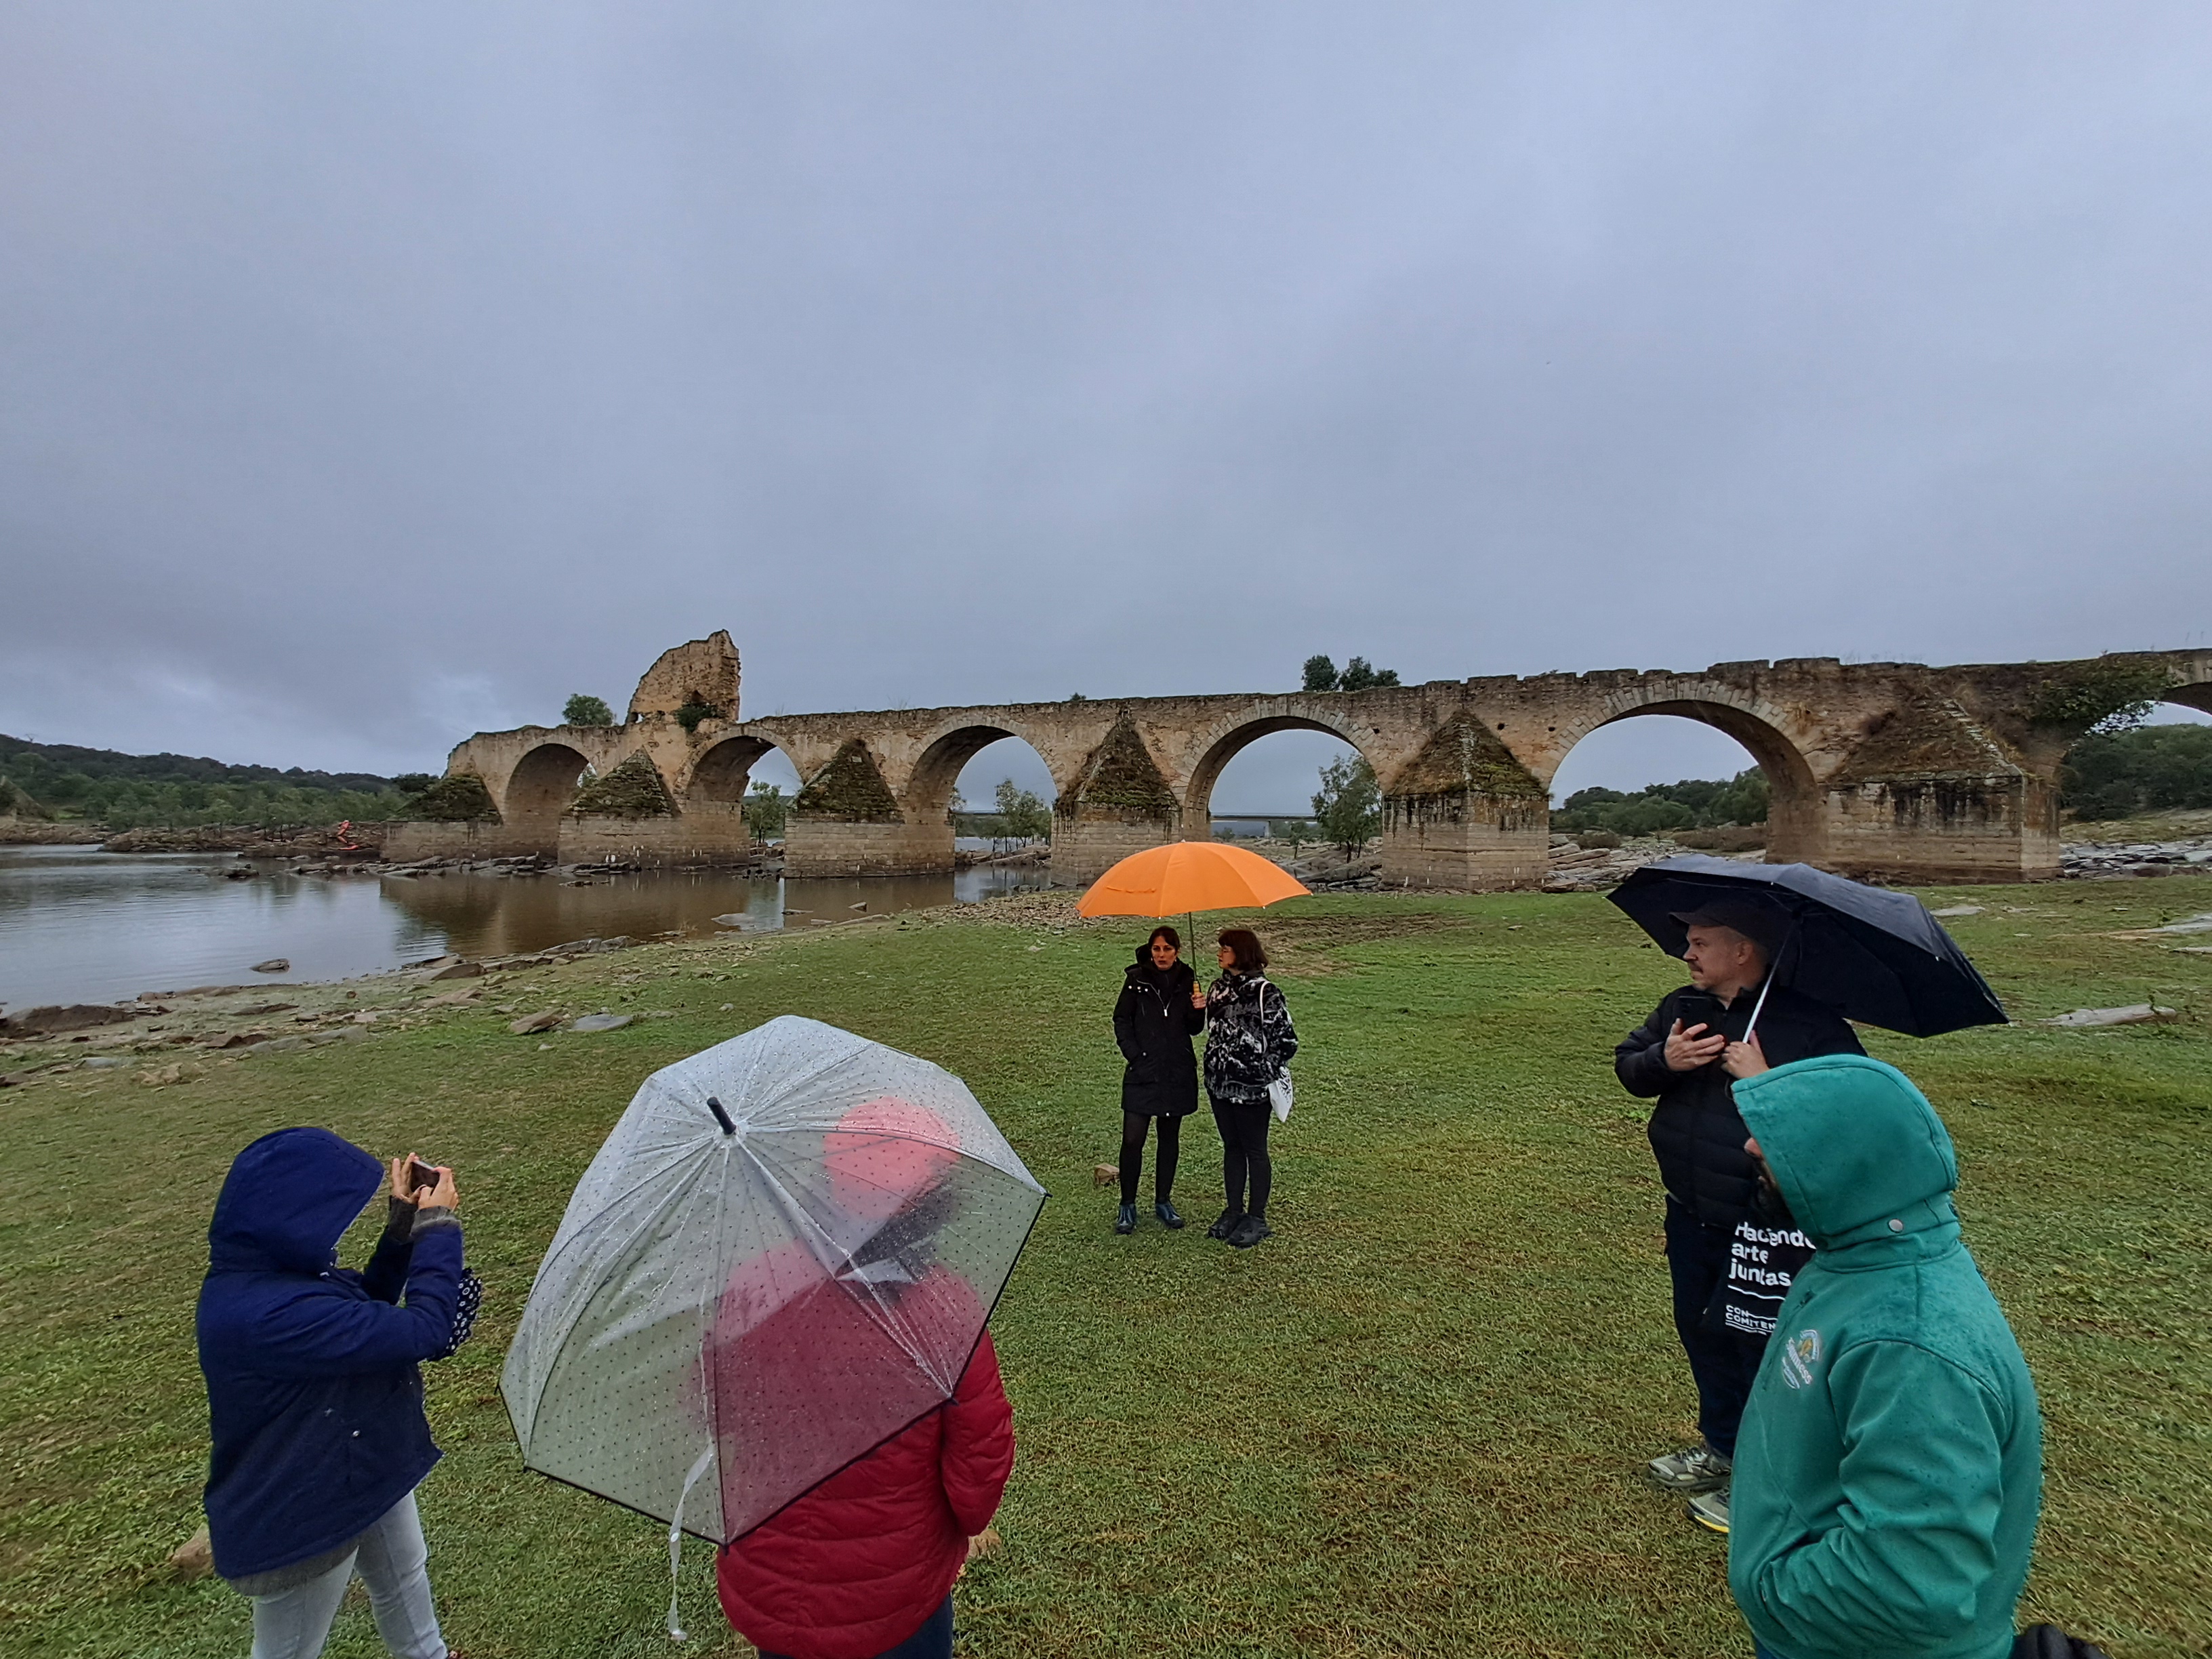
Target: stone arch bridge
[1892,769]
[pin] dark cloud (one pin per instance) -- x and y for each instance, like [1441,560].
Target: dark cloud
[376,374]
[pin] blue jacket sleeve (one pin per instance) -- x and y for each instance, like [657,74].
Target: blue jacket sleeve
[1916,1549]
[386,1276]
[322,1333]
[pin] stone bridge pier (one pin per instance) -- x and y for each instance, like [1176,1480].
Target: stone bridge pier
[1895,770]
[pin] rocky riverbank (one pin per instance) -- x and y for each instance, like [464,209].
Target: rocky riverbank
[251,840]
[173,1035]
[39,832]
[2095,861]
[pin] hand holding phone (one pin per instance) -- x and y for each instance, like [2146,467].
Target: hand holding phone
[420,1176]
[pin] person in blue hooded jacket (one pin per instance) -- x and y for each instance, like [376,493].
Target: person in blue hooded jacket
[314,1398]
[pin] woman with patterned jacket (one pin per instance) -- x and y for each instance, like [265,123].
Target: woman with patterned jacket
[1250,1042]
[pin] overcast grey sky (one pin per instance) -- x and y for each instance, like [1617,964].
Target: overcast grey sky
[373,375]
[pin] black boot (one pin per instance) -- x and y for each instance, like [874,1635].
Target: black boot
[1126,1221]
[1169,1215]
[1249,1231]
[1224,1222]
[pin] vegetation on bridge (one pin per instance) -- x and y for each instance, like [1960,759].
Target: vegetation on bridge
[2106,694]
[633,788]
[850,789]
[582,709]
[1123,775]
[460,798]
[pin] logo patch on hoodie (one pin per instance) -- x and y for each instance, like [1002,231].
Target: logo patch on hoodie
[1800,1354]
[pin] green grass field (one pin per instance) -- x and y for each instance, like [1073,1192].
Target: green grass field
[1411,1423]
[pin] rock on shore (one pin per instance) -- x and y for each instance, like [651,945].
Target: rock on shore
[2093,859]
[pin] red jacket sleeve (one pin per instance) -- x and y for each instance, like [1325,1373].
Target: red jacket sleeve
[979,1442]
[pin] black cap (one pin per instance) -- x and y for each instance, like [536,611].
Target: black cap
[1757,922]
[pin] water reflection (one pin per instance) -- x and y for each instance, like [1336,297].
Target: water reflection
[482,915]
[78,925]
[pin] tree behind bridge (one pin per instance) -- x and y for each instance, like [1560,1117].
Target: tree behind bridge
[1024,815]
[1348,806]
[767,811]
[1322,674]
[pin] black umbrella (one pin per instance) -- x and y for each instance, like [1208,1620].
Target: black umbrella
[1873,956]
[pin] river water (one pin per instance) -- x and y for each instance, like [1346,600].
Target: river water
[78,925]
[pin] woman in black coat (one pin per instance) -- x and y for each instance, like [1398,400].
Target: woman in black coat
[1159,1012]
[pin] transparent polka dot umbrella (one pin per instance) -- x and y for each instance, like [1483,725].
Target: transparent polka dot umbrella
[783,1255]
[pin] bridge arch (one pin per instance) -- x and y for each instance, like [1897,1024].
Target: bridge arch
[1794,818]
[541,786]
[1216,747]
[926,791]
[718,774]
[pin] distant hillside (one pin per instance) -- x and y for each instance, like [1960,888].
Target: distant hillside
[101,786]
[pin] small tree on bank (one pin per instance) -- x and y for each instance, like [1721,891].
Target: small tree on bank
[1348,806]
[585,709]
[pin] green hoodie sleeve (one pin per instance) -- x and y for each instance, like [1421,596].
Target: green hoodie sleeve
[1916,1543]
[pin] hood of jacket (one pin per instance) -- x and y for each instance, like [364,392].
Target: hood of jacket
[1856,1150]
[287,1201]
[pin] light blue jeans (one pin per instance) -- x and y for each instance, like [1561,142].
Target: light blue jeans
[393,1563]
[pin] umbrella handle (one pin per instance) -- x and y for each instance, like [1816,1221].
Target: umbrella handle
[676,1524]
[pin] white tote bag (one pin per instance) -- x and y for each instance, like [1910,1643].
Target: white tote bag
[1278,1087]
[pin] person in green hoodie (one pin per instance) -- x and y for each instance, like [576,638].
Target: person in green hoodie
[1890,1467]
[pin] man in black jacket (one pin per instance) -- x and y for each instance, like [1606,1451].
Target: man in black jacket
[1688,1054]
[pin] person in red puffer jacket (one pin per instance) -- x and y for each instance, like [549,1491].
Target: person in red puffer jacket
[862,1566]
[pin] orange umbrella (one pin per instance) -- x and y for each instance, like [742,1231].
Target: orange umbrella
[1188,876]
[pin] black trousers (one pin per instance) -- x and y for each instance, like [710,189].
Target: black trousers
[1722,1362]
[1133,1155]
[1243,1126]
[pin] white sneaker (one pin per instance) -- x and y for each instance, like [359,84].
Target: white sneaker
[1698,1469]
